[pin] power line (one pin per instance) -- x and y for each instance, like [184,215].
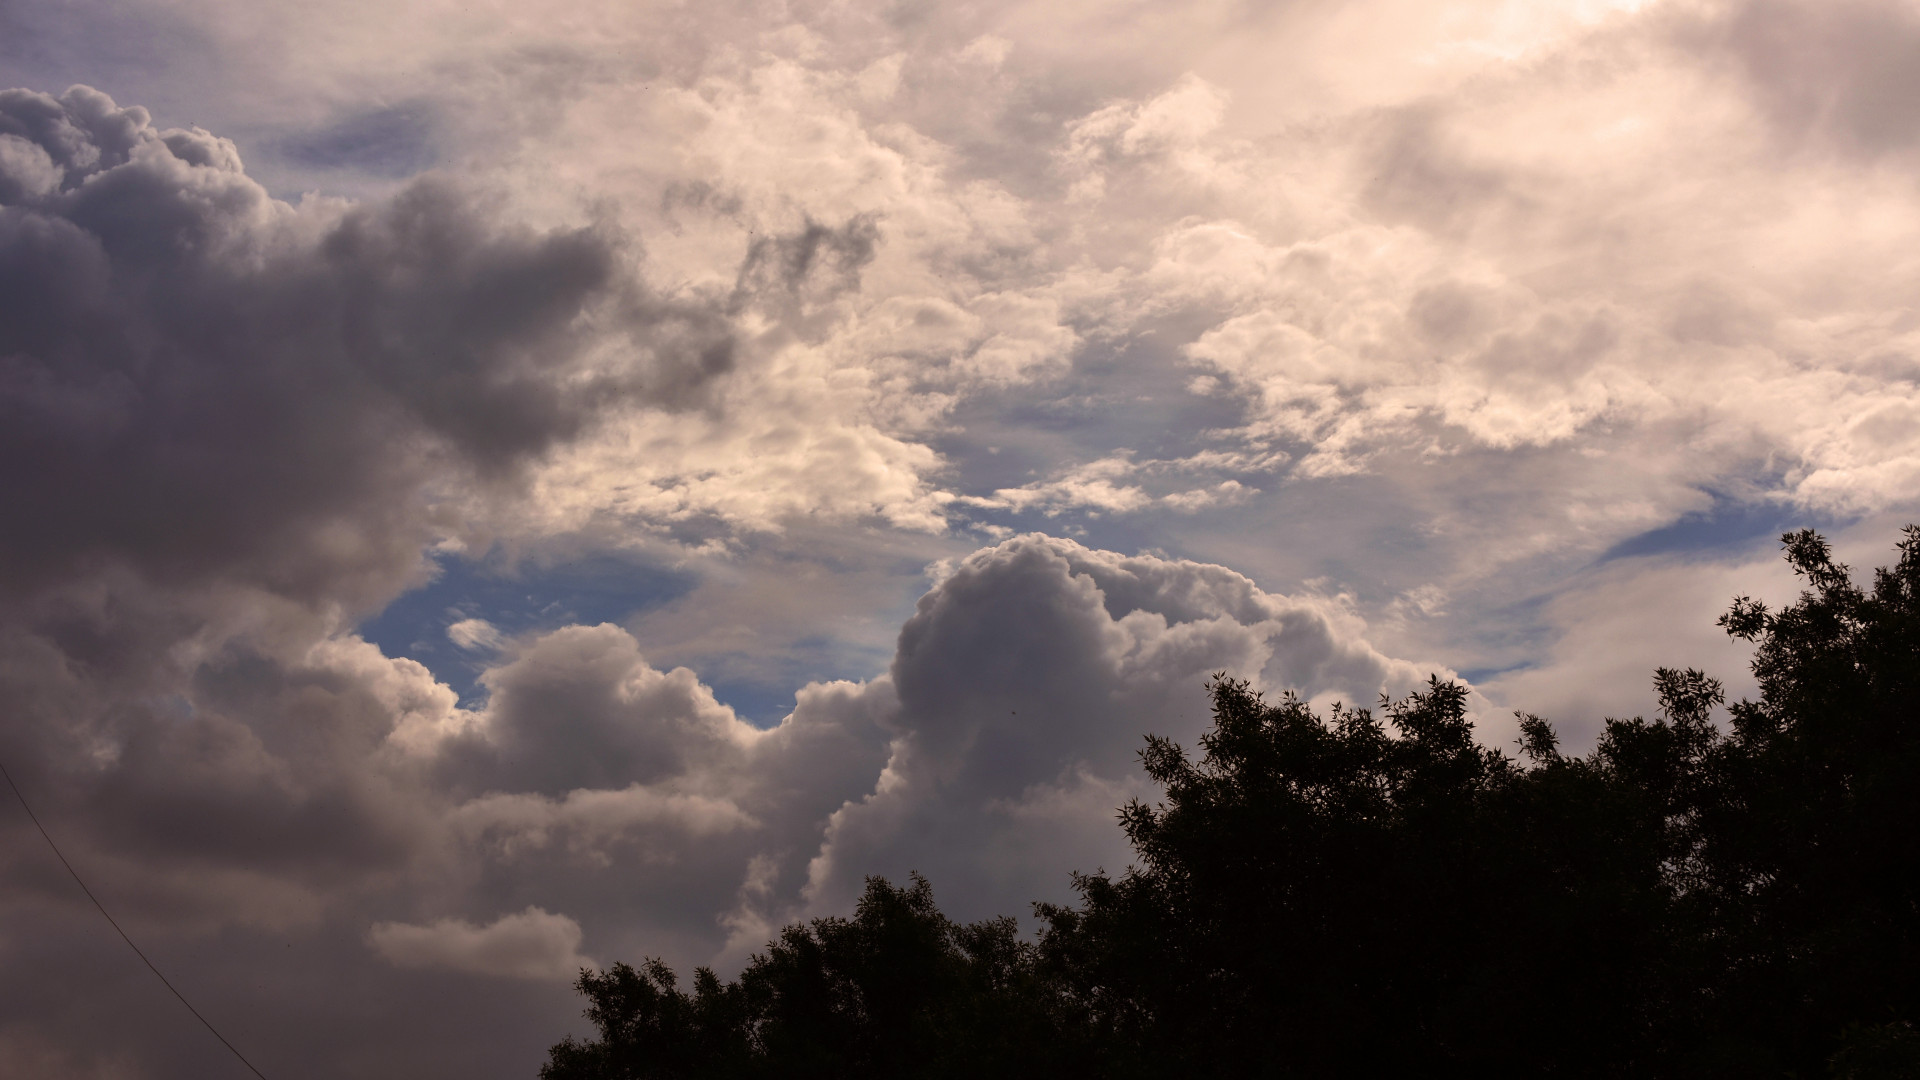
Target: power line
[35,818]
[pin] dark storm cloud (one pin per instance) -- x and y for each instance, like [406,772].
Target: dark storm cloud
[227,424]
[196,378]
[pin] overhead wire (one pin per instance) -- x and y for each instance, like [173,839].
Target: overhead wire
[35,818]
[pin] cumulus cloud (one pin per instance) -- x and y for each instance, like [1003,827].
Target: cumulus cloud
[581,708]
[235,423]
[1026,680]
[302,395]
[990,755]
[532,944]
[232,423]
[259,389]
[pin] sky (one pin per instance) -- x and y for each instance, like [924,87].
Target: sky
[497,487]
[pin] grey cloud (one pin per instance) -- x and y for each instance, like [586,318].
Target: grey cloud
[1026,680]
[228,425]
[240,385]
[248,790]
[991,755]
[1416,174]
[826,752]
[587,747]
[82,132]
[1842,73]
[580,708]
[792,275]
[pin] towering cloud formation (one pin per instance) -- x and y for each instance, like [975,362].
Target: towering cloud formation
[1026,679]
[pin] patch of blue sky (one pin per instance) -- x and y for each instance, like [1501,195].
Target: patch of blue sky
[393,142]
[1728,524]
[1476,676]
[766,696]
[526,599]
[1132,397]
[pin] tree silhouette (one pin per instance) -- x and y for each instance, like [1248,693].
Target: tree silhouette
[899,990]
[1373,893]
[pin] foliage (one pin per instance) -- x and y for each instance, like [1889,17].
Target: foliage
[899,990]
[1374,893]
[1353,897]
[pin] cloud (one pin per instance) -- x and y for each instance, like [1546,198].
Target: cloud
[476,634]
[532,944]
[319,787]
[1113,485]
[1616,623]
[1836,74]
[1026,680]
[990,755]
[266,391]
[304,395]
[580,708]
[590,819]
[1092,486]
